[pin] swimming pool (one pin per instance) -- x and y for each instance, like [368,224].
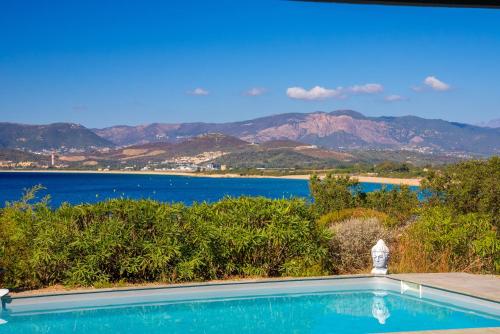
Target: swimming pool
[328,305]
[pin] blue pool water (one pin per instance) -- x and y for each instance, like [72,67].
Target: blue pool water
[77,188]
[328,312]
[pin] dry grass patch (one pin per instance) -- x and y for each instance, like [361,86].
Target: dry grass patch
[72,158]
[352,242]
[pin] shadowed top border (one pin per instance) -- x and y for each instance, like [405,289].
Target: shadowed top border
[493,4]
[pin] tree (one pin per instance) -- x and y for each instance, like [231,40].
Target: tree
[333,192]
[467,187]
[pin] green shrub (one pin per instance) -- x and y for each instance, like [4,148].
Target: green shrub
[399,203]
[470,186]
[34,242]
[258,236]
[333,193]
[121,240]
[338,193]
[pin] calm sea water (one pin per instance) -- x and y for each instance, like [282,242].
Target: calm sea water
[76,188]
[346,312]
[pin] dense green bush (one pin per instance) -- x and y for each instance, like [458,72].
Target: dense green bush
[336,193]
[399,203]
[470,186]
[333,192]
[135,241]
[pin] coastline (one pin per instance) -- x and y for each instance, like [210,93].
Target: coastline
[360,178]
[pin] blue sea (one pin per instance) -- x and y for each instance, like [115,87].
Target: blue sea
[77,188]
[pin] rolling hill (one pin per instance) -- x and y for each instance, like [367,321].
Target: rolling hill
[49,137]
[20,156]
[212,147]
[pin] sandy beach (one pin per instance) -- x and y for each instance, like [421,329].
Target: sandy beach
[360,178]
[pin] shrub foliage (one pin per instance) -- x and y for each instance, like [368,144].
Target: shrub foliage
[470,186]
[128,241]
[136,241]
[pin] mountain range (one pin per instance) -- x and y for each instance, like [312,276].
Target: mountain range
[342,130]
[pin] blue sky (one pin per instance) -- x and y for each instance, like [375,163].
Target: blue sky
[102,63]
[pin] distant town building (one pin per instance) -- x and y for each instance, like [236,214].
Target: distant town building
[211,167]
[26,164]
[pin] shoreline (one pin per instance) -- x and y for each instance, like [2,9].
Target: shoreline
[360,178]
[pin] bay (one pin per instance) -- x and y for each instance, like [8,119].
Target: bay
[77,188]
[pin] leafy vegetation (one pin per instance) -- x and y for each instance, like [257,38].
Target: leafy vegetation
[129,241]
[333,193]
[456,227]
[336,193]
[137,241]
[470,186]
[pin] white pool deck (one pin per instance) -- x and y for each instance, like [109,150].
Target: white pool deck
[484,286]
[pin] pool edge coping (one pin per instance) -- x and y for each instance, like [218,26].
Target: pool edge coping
[240,282]
[445,290]
[193,284]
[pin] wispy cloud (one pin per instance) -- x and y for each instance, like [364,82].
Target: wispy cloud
[395,98]
[198,91]
[322,93]
[315,93]
[255,91]
[436,84]
[79,108]
[370,88]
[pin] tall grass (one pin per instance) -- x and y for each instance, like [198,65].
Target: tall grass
[441,240]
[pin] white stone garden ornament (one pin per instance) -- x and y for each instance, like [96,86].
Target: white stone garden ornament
[380,256]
